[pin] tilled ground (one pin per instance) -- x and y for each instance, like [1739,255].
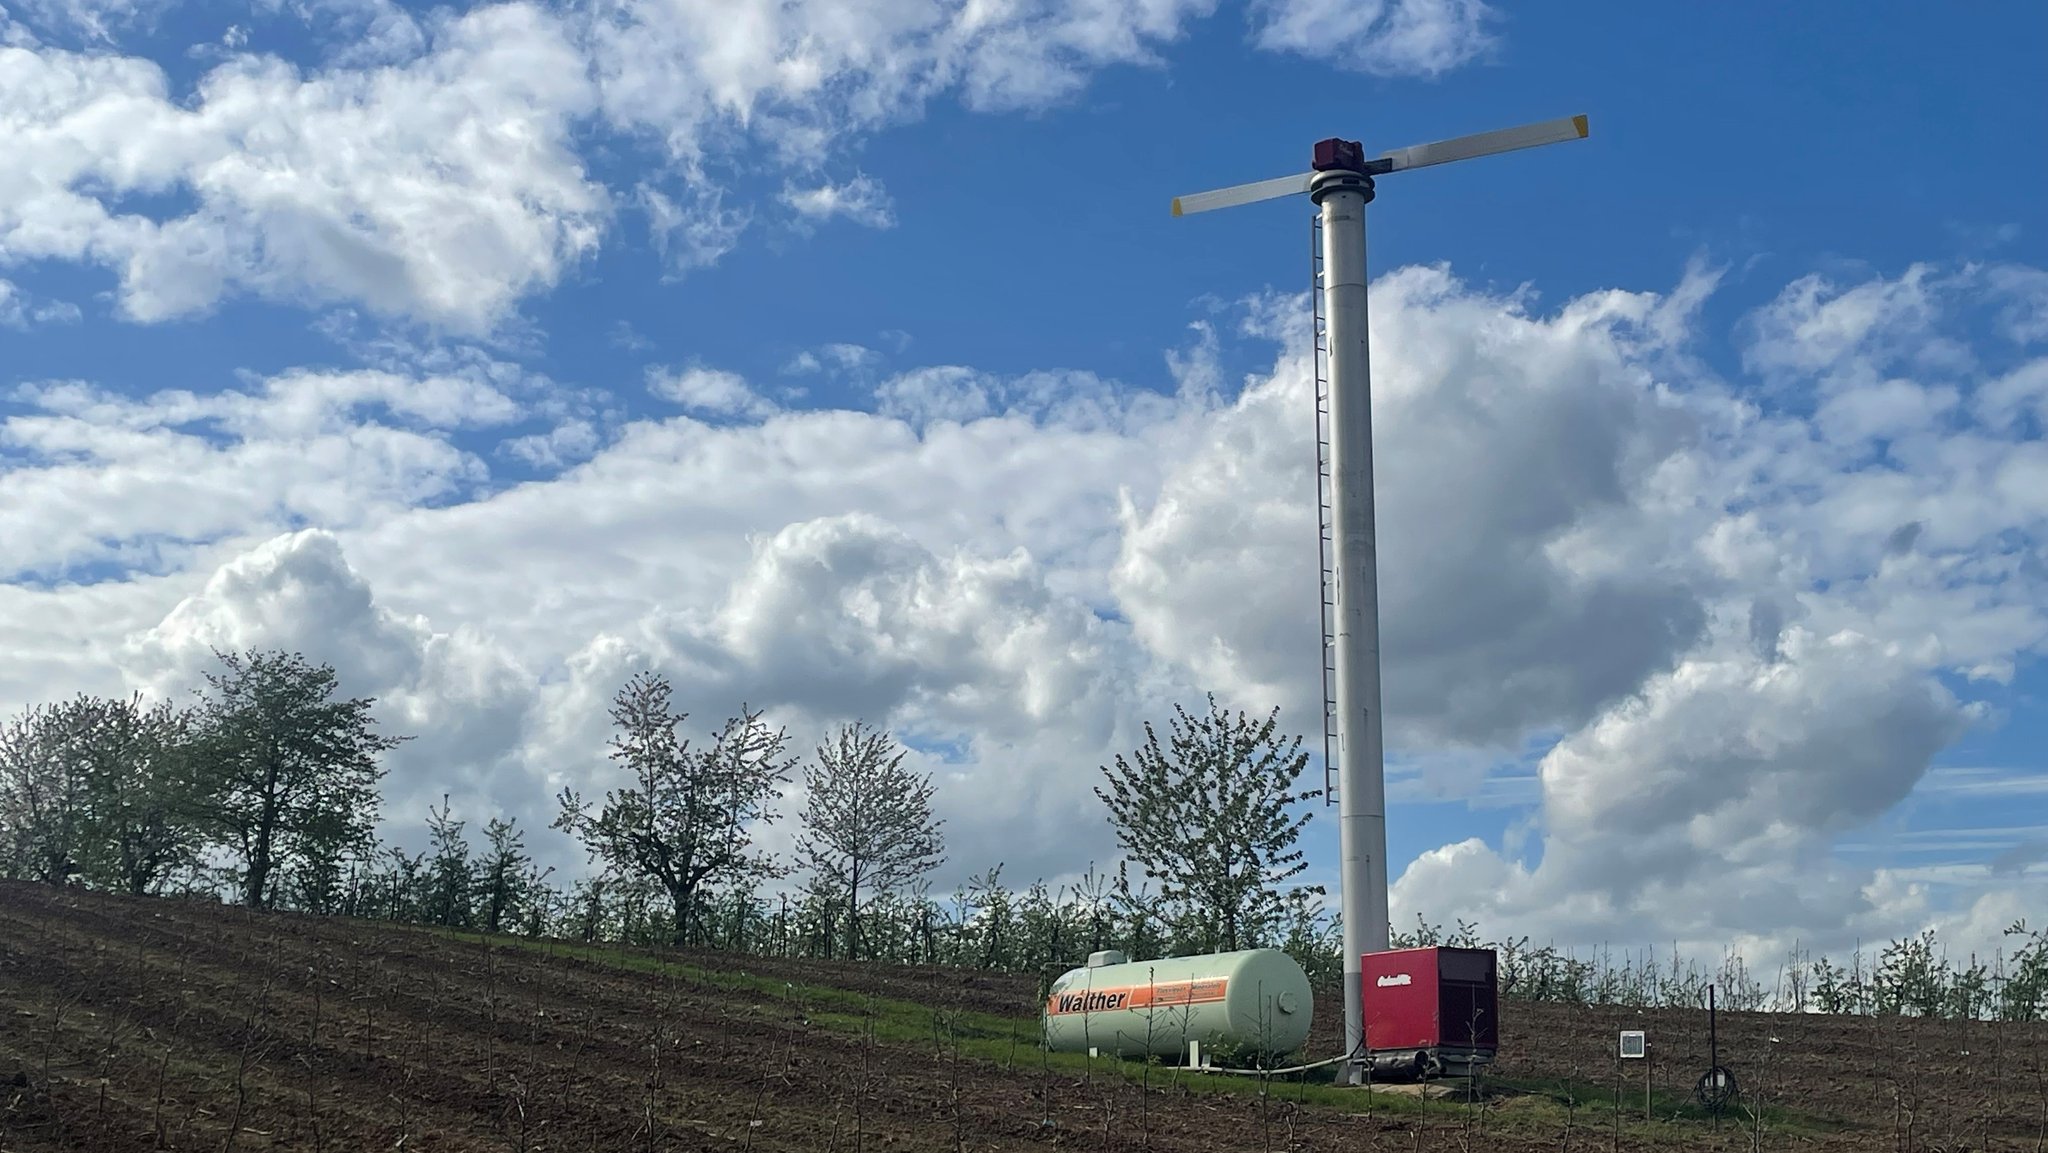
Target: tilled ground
[1892,1082]
[132,1024]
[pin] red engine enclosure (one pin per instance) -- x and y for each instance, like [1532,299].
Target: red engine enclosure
[1438,1005]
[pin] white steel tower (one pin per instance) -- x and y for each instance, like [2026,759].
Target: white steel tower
[1340,184]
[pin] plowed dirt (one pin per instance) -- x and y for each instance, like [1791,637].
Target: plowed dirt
[139,1024]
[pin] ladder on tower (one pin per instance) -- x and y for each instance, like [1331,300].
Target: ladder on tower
[1325,530]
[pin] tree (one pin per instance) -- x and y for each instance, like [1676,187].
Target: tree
[451,876]
[506,882]
[140,788]
[44,806]
[868,823]
[99,790]
[400,887]
[291,772]
[687,823]
[1208,818]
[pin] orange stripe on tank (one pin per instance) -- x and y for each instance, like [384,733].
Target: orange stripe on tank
[1116,998]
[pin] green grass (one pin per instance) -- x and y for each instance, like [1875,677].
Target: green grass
[1011,1043]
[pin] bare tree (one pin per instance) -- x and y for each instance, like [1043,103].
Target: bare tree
[687,823]
[868,824]
[1208,817]
[291,772]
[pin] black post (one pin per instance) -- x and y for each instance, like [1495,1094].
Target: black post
[1713,1047]
[1713,1036]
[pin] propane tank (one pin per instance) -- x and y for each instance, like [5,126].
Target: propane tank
[1253,998]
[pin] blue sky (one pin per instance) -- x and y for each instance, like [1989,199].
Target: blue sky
[539,442]
[1794,138]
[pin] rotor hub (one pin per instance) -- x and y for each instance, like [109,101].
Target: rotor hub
[1324,183]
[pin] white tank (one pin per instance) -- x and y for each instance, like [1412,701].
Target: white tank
[1253,998]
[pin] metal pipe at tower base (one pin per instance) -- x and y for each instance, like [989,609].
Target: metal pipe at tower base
[1361,786]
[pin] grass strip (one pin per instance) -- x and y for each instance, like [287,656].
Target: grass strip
[998,1039]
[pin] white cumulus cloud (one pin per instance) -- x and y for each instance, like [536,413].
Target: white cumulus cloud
[1388,37]
[711,391]
[442,188]
[1721,623]
[438,168]
[21,310]
[862,200]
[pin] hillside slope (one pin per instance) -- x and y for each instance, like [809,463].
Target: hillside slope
[143,1024]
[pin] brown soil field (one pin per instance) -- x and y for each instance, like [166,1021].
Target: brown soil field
[141,1024]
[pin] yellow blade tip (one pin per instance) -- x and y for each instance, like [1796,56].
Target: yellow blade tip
[1176,206]
[1579,122]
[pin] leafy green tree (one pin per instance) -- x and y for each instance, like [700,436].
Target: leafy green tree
[589,910]
[99,790]
[313,877]
[1834,990]
[2024,996]
[1042,927]
[1095,894]
[1209,816]
[867,821]
[1143,928]
[1969,995]
[45,808]
[290,770]
[994,906]
[141,789]
[1910,977]
[1313,938]
[507,885]
[399,887]
[451,875]
[687,823]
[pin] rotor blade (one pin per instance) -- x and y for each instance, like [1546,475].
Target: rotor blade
[1488,143]
[1241,194]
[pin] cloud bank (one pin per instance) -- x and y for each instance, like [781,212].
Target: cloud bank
[1735,620]
[436,169]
